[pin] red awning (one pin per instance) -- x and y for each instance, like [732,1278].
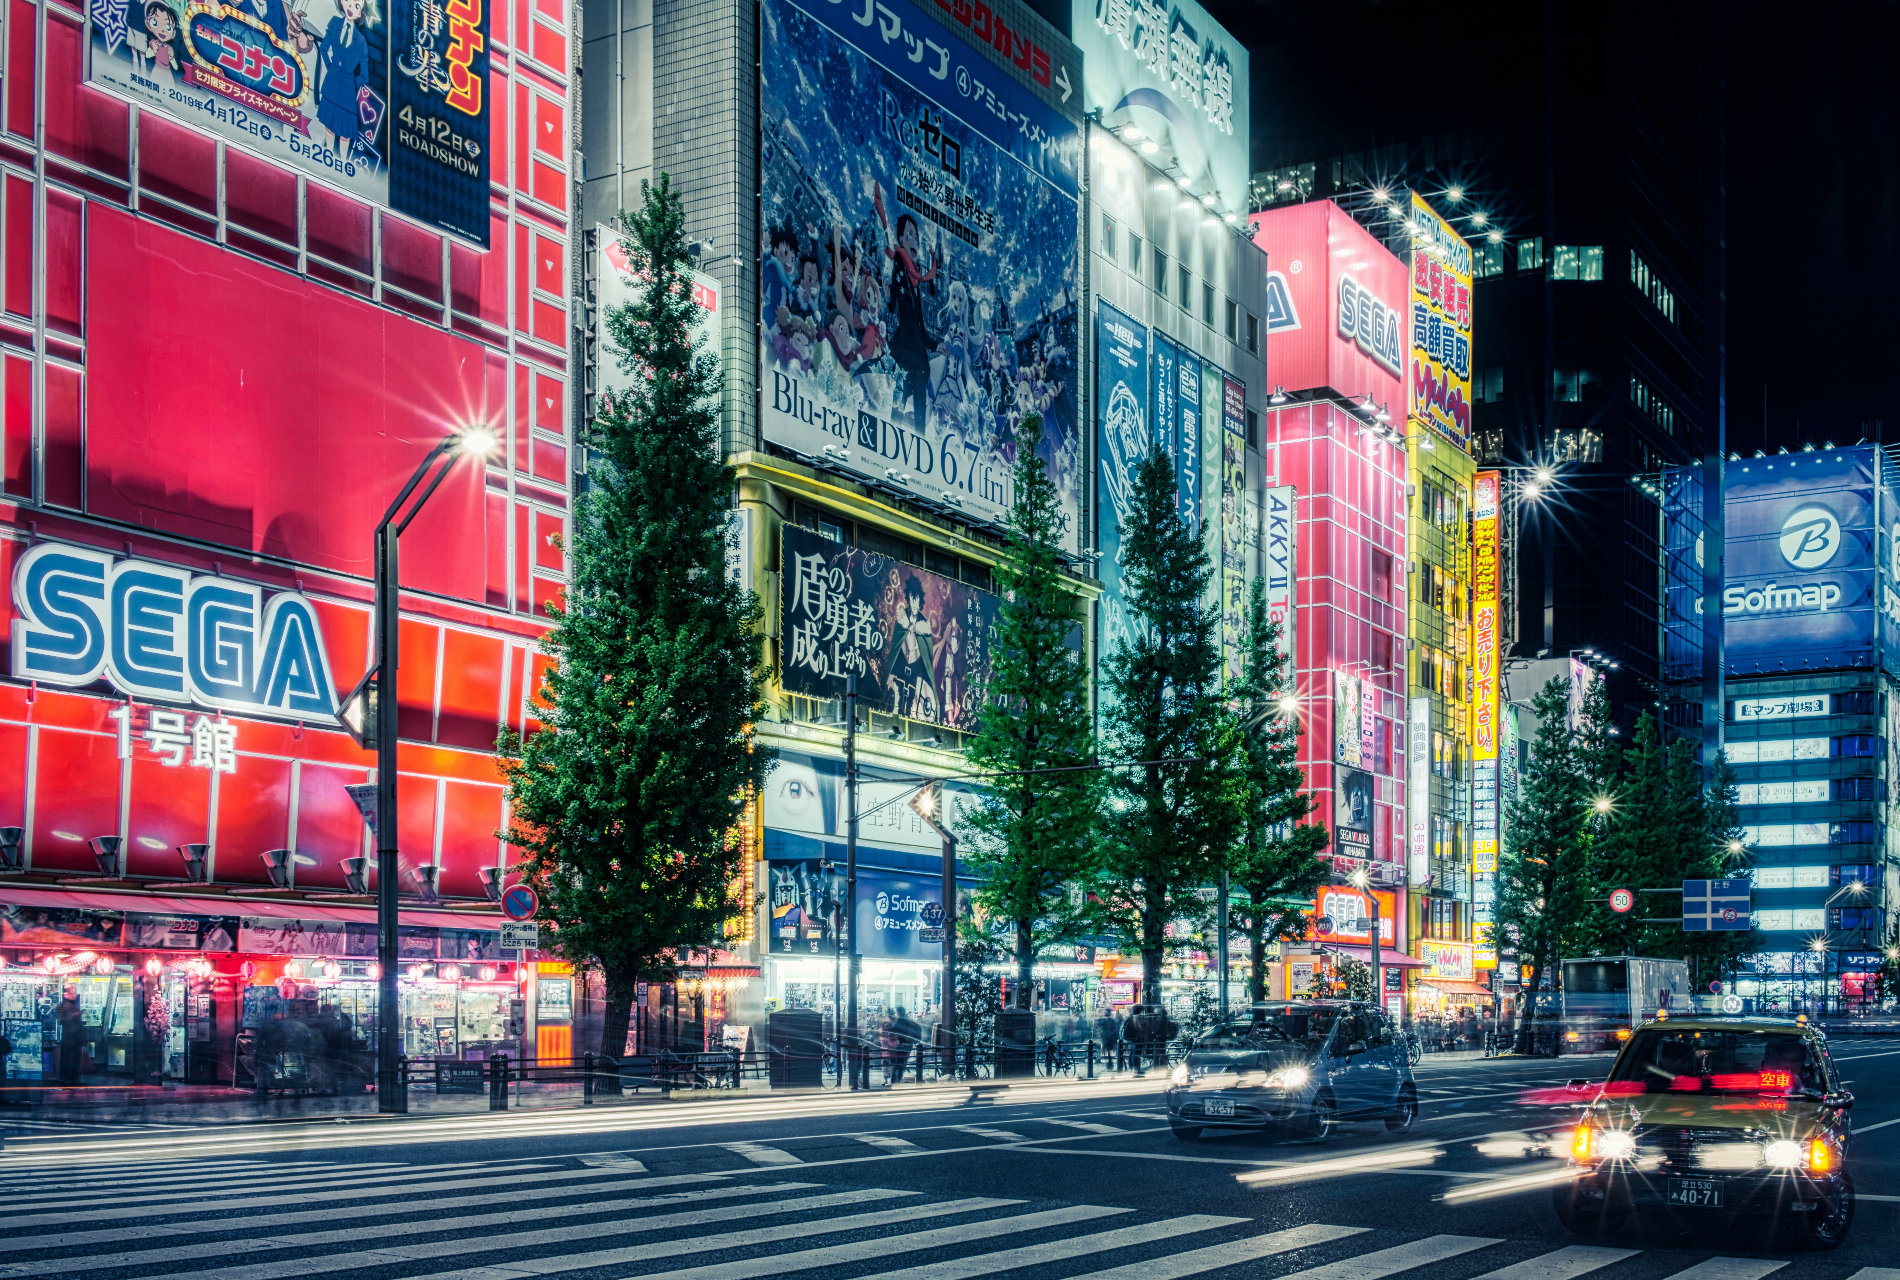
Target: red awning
[271,908]
[1387,959]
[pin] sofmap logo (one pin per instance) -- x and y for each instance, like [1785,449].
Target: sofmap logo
[1810,537]
[157,631]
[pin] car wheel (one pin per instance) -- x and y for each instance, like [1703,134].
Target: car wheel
[1321,1116]
[1405,1113]
[1186,1132]
[1827,1225]
[1582,1217]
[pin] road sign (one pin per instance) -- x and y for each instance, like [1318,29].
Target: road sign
[1716,905]
[933,916]
[521,935]
[1323,924]
[520,903]
[1731,1004]
[1715,988]
[1621,900]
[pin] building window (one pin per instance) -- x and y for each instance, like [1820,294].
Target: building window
[1108,238]
[1253,333]
[1207,305]
[1161,272]
[1530,254]
[1134,255]
[1578,445]
[1576,262]
[1487,259]
[1650,285]
[1253,427]
[1652,405]
[1487,385]
[1186,296]
[1576,386]
[1233,321]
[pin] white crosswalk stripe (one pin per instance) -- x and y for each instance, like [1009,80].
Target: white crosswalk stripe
[303,1180]
[490,1222]
[887,1142]
[1001,1135]
[1086,1126]
[759,1153]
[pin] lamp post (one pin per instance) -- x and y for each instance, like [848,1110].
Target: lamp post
[370,718]
[928,805]
[1362,881]
[850,1045]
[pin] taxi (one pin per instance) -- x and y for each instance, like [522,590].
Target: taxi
[1713,1121]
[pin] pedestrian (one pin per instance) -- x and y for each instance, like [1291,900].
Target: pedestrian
[906,1034]
[72,1033]
[1109,1032]
[1136,1032]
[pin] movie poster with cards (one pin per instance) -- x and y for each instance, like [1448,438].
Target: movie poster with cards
[918,271]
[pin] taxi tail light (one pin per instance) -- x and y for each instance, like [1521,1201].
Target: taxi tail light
[1582,1143]
[1820,1156]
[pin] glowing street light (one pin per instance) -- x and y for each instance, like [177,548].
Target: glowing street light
[1603,804]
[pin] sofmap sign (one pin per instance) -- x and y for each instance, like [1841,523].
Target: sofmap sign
[1801,561]
[1178,76]
[1787,707]
[398,115]
[158,631]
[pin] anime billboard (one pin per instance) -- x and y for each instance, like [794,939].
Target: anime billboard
[1121,411]
[320,92]
[918,276]
[920,639]
[1799,578]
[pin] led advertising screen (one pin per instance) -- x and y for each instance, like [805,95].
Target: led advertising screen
[1172,72]
[1121,412]
[1800,562]
[389,104]
[1335,305]
[1440,332]
[921,640]
[918,276]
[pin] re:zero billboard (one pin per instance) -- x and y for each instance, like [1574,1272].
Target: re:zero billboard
[313,85]
[918,276]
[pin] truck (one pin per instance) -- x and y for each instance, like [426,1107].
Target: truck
[1606,997]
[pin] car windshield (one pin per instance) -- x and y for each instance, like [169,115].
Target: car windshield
[1306,1025]
[1750,1062]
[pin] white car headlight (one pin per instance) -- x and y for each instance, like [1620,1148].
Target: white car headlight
[1615,1144]
[1287,1078]
[1179,1075]
[1782,1154]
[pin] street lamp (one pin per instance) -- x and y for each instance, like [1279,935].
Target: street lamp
[370,718]
[1362,881]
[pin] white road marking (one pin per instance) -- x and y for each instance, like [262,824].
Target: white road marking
[984,1264]
[1002,1135]
[1086,1126]
[887,1142]
[1564,1264]
[1730,1269]
[759,1153]
[1370,1266]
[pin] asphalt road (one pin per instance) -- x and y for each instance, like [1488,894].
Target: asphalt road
[1050,1182]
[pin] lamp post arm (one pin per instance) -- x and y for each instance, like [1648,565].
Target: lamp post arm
[403,496]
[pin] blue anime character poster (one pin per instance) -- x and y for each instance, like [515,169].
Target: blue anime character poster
[917,259]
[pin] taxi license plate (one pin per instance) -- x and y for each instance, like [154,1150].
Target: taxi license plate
[1218,1107]
[1699,1193]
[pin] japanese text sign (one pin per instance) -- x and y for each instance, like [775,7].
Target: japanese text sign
[1440,336]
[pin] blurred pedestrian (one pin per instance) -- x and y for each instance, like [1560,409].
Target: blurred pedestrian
[905,1035]
[72,1033]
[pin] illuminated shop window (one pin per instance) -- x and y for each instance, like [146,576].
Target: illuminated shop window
[1576,262]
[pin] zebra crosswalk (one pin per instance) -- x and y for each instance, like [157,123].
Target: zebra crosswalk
[568,1215]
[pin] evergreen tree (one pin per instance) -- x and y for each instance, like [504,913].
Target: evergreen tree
[625,804]
[1638,840]
[1033,833]
[1169,826]
[1543,873]
[1276,864]
[1711,849]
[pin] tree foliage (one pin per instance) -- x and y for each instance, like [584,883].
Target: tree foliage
[624,804]
[1543,876]
[1275,865]
[1167,827]
[1032,836]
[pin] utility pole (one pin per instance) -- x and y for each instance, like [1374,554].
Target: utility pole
[851,869]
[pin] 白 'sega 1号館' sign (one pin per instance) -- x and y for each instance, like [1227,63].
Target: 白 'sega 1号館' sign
[162,632]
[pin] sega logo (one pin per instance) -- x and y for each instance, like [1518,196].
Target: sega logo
[1370,323]
[157,631]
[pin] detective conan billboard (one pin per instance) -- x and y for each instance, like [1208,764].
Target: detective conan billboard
[918,259]
[1799,590]
[321,92]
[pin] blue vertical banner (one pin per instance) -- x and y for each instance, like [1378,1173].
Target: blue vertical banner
[1187,453]
[1167,360]
[438,170]
[1121,415]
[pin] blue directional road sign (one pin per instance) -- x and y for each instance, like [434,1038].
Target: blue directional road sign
[1715,904]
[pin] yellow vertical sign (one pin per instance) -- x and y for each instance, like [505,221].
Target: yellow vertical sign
[1440,372]
[1486,489]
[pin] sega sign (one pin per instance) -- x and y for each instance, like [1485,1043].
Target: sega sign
[1324,262]
[161,632]
[1801,558]
[1371,324]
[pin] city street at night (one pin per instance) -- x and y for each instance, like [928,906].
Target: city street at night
[1057,1179]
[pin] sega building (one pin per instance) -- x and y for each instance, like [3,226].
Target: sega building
[234,318]
[1334,439]
[1811,637]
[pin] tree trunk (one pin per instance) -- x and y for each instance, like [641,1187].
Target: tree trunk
[1025,964]
[1151,975]
[1257,941]
[621,983]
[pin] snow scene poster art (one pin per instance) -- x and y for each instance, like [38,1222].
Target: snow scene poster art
[918,274]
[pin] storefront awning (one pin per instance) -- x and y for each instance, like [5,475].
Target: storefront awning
[1452,988]
[1387,959]
[274,908]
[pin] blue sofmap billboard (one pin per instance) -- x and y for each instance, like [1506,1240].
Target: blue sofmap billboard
[918,276]
[1802,562]
[1121,413]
